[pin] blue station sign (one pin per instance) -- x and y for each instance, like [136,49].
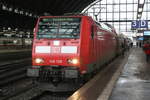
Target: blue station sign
[139,24]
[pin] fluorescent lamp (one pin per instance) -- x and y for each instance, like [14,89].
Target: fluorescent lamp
[140,9]
[139,15]
[4,7]
[141,1]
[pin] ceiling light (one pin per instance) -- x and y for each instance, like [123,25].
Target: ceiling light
[139,15]
[16,10]
[140,9]
[10,9]
[4,7]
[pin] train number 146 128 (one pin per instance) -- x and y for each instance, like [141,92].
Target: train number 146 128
[55,61]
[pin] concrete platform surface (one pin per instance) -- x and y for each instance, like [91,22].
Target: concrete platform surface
[134,82]
[101,85]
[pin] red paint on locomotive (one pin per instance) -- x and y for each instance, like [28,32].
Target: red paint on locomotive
[76,45]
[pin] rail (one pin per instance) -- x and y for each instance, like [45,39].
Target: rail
[13,71]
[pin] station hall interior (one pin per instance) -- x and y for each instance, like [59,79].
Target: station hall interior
[130,78]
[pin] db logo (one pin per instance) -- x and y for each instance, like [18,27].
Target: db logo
[55,50]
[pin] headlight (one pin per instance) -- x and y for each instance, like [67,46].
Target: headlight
[39,60]
[73,61]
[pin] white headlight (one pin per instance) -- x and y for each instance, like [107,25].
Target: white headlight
[39,60]
[73,61]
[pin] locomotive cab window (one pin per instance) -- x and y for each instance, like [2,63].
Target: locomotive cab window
[59,27]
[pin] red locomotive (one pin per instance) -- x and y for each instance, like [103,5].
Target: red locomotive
[70,48]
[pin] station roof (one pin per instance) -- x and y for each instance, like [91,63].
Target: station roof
[53,7]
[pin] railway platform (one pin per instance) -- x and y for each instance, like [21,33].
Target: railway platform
[134,82]
[126,78]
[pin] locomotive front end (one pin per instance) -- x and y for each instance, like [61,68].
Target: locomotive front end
[56,49]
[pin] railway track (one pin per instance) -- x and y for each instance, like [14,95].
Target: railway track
[13,71]
[34,93]
[11,75]
[17,92]
[31,91]
[53,96]
[11,55]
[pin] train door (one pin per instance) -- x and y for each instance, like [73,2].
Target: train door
[92,44]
